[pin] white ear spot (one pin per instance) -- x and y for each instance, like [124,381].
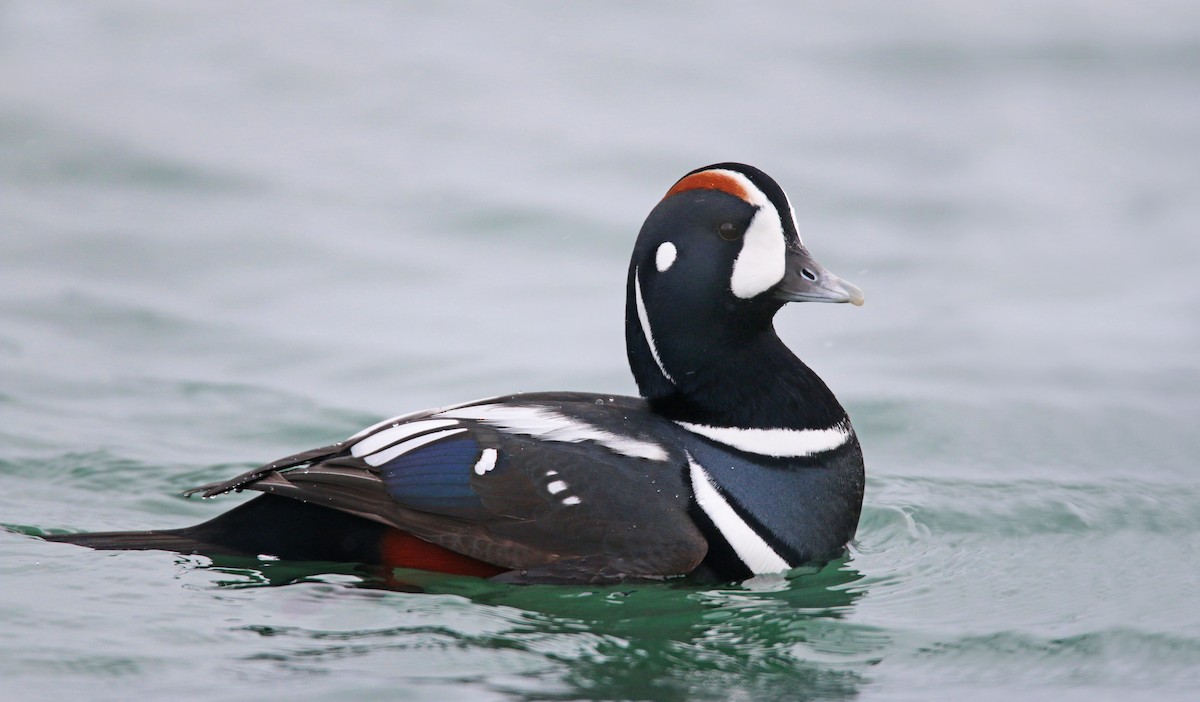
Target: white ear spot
[665,256]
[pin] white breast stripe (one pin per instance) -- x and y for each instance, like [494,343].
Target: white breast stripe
[547,424]
[781,443]
[387,437]
[757,554]
[645,322]
[378,459]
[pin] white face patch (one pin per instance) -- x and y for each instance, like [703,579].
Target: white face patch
[780,443]
[761,263]
[665,256]
[644,320]
[549,425]
[763,259]
[750,548]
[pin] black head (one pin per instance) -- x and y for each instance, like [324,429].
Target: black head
[714,262]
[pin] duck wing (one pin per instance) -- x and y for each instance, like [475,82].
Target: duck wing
[555,486]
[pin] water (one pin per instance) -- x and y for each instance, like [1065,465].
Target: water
[230,231]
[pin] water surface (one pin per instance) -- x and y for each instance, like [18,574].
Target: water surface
[229,232]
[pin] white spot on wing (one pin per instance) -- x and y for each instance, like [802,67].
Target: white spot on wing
[644,320]
[664,256]
[378,459]
[556,487]
[486,462]
[571,500]
[781,443]
[549,425]
[757,554]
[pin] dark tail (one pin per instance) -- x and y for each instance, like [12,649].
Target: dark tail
[291,530]
[279,526]
[160,540]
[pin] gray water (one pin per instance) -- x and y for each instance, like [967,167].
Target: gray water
[230,231]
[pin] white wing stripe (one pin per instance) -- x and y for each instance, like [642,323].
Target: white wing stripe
[389,436]
[378,459]
[379,425]
[780,443]
[757,554]
[547,424]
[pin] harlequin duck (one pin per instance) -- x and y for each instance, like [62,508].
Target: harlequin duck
[736,460]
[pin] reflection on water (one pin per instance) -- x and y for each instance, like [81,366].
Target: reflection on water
[772,638]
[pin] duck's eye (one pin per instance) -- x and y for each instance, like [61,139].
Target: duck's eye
[729,231]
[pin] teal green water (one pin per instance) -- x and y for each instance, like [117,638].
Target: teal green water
[230,232]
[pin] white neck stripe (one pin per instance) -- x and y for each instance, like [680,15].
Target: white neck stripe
[757,554]
[645,322]
[780,443]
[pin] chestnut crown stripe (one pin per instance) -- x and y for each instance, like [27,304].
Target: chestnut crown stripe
[761,262]
[714,179]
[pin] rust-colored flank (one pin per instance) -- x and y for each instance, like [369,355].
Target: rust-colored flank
[709,180]
[403,550]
